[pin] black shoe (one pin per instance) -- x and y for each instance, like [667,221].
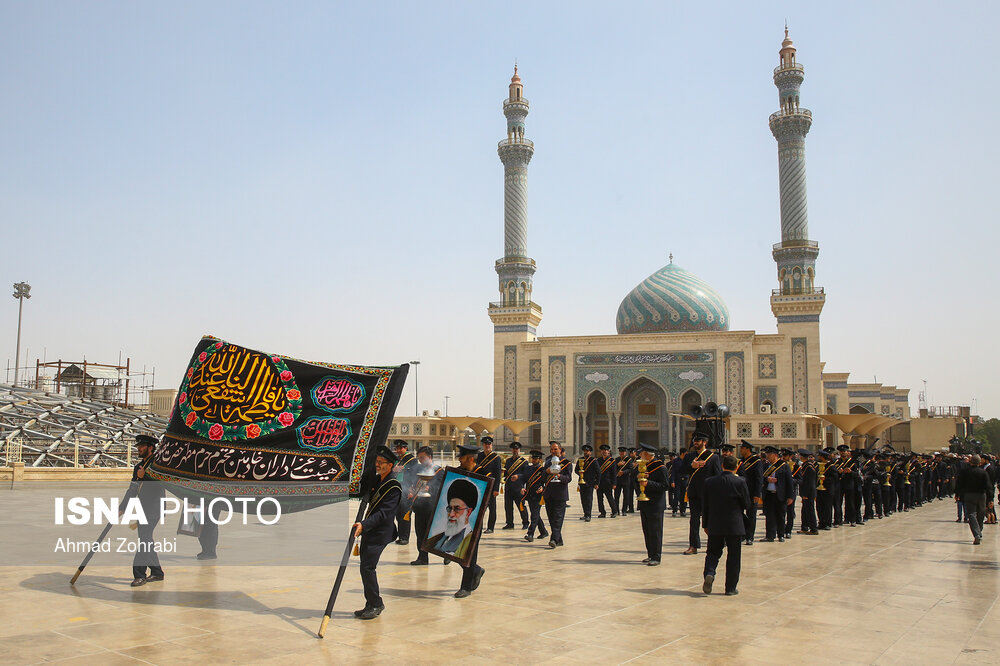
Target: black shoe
[732,593]
[813,532]
[153,578]
[487,531]
[975,542]
[372,613]
[402,542]
[766,540]
[478,578]
[653,563]
[359,613]
[780,540]
[646,560]
[447,561]
[683,515]
[673,514]
[583,517]
[852,524]
[958,520]
[207,556]
[560,543]
[602,515]
[138,582]
[507,527]
[524,527]
[826,528]
[418,563]
[587,519]
[707,585]
[461,594]
[529,538]
[788,536]
[543,536]
[552,544]
[614,515]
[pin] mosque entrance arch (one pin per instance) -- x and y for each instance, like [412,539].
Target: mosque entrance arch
[598,424]
[644,414]
[536,430]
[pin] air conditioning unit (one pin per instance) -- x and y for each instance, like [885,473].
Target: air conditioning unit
[765,409]
[787,409]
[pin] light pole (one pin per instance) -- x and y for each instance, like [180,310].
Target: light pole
[22,290]
[416,387]
[446,404]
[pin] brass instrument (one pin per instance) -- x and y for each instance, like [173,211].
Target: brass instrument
[642,481]
[888,473]
[822,475]
[579,474]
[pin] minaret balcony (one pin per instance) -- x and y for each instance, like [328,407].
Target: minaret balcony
[515,102]
[526,261]
[794,243]
[797,113]
[798,291]
[792,67]
[516,142]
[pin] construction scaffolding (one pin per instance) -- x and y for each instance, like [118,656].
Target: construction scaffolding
[44,429]
[105,382]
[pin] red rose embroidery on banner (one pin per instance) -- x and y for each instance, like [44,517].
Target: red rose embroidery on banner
[276,359]
[190,372]
[215,432]
[253,431]
[294,394]
[181,400]
[285,419]
[191,418]
[202,356]
[218,345]
[286,375]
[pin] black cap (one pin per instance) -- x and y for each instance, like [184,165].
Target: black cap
[537,453]
[699,436]
[384,452]
[643,446]
[825,454]
[468,449]
[400,444]
[586,447]
[623,448]
[843,447]
[744,444]
[464,490]
[786,452]
[805,452]
[146,440]
[770,449]
[552,441]
[728,448]
[604,447]
[515,445]
[486,439]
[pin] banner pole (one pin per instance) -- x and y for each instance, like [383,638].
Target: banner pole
[340,573]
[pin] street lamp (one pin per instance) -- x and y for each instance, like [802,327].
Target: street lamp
[416,386]
[446,404]
[22,290]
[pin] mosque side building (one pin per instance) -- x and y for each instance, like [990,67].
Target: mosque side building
[674,348]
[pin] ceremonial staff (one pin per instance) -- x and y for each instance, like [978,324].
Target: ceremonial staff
[132,491]
[343,568]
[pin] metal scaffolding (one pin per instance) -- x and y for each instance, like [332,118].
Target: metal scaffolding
[44,429]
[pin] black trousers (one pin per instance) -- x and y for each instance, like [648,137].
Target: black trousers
[868,497]
[586,500]
[749,536]
[422,514]
[145,556]
[624,497]
[694,531]
[732,542]
[469,572]
[652,530]
[512,498]
[809,515]
[491,519]
[535,507]
[774,514]
[789,518]
[604,493]
[208,538]
[556,512]
[824,506]
[837,498]
[370,554]
[403,524]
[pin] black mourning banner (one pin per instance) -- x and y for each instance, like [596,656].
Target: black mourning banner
[251,424]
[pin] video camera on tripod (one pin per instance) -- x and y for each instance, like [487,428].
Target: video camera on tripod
[710,420]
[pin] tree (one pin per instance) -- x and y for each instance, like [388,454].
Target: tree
[988,432]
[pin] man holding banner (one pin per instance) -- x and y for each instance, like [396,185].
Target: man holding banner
[377,530]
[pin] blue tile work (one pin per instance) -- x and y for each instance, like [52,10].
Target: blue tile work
[868,406]
[672,299]
[800,376]
[734,382]
[557,397]
[767,366]
[797,319]
[765,393]
[831,404]
[674,372]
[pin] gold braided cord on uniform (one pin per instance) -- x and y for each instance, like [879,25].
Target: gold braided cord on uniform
[380,494]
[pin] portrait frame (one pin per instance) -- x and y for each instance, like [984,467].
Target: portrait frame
[192,526]
[435,541]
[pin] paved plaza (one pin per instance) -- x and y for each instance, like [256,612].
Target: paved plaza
[909,589]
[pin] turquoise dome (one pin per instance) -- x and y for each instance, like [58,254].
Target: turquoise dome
[672,300]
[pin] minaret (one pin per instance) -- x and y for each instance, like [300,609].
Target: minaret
[795,254]
[515,312]
[797,302]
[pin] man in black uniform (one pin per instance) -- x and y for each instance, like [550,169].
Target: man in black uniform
[777,494]
[513,481]
[796,470]
[807,491]
[405,470]
[377,529]
[868,484]
[825,494]
[559,473]
[423,507]
[654,484]
[470,458]
[623,487]
[535,482]
[678,477]
[752,471]
[488,464]
[848,485]
[700,465]
[836,494]
[588,474]
[607,483]
[726,503]
[149,493]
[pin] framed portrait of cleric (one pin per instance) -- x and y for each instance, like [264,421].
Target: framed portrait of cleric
[190,523]
[457,521]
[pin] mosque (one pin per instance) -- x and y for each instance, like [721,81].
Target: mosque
[674,348]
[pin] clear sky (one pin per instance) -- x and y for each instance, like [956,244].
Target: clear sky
[321,179]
